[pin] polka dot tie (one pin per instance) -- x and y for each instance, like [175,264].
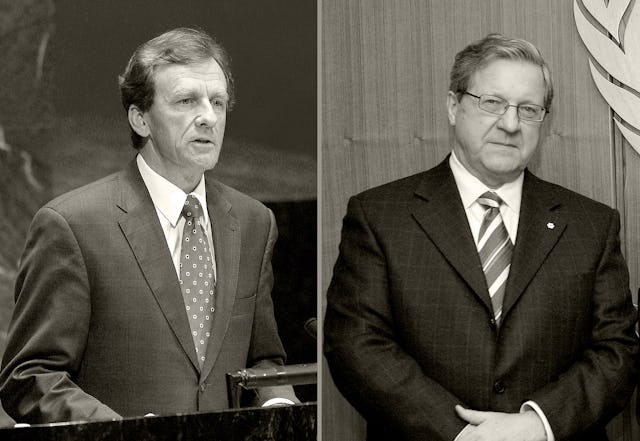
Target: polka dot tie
[196,276]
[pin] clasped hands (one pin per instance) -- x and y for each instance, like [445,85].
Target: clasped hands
[499,426]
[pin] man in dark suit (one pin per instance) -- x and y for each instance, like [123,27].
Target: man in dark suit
[475,301]
[138,292]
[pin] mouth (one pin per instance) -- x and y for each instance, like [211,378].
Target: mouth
[203,141]
[503,144]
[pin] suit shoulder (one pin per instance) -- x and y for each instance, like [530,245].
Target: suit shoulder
[398,190]
[573,199]
[85,198]
[241,202]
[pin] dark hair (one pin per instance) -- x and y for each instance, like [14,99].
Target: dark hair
[480,53]
[177,46]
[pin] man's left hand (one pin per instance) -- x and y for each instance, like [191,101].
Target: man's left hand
[498,426]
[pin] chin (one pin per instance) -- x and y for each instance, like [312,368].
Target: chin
[504,160]
[209,165]
[208,160]
[504,168]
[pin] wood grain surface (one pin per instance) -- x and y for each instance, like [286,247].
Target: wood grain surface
[384,72]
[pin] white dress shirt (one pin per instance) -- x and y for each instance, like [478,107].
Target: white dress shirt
[169,200]
[470,189]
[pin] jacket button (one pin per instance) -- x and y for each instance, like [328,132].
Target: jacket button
[498,387]
[203,387]
[492,324]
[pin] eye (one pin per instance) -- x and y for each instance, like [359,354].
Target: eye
[492,101]
[529,109]
[219,103]
[186,101]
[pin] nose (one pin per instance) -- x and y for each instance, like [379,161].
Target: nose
[510,122]
[207,116]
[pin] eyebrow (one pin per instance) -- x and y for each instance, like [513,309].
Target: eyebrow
[182,91]
[521,103]
[223,95]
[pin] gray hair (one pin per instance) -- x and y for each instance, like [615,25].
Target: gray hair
[480,53]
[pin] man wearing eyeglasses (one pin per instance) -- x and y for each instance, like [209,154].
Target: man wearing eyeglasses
[475,301]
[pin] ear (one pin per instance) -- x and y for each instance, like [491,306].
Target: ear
[137,121]
[452,107]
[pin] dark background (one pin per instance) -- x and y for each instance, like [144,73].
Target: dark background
[272,46]
[64,126]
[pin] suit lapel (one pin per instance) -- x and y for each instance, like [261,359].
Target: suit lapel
[539,228]
[139,223]
[439,211]
[226,239]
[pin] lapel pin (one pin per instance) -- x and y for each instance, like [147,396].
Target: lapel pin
[551,225]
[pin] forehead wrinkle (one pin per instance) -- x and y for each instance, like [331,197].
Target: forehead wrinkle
[189,88]
[491,84]
[205,72]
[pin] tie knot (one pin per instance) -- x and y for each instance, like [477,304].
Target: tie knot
[490,199]
[192,207]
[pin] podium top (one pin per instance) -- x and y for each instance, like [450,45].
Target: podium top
[296,422]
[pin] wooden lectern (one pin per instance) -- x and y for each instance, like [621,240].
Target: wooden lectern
[280,423]
[295,423]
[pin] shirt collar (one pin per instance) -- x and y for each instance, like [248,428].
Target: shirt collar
[167,197]
[470,187]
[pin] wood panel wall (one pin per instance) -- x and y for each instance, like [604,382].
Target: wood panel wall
[384,71]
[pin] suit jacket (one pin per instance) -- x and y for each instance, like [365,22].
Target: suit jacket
[100,329]
[409,331]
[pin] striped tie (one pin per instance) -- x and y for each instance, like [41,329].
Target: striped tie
[495,249]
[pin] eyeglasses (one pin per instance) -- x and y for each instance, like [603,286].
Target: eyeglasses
[499,106]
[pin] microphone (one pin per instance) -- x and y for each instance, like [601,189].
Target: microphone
[311,326]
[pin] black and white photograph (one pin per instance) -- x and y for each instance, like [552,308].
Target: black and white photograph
[480,220]
[331,220]
[158,262]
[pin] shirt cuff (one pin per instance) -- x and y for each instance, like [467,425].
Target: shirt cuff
[465,429]
[532,405]
[276,401]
